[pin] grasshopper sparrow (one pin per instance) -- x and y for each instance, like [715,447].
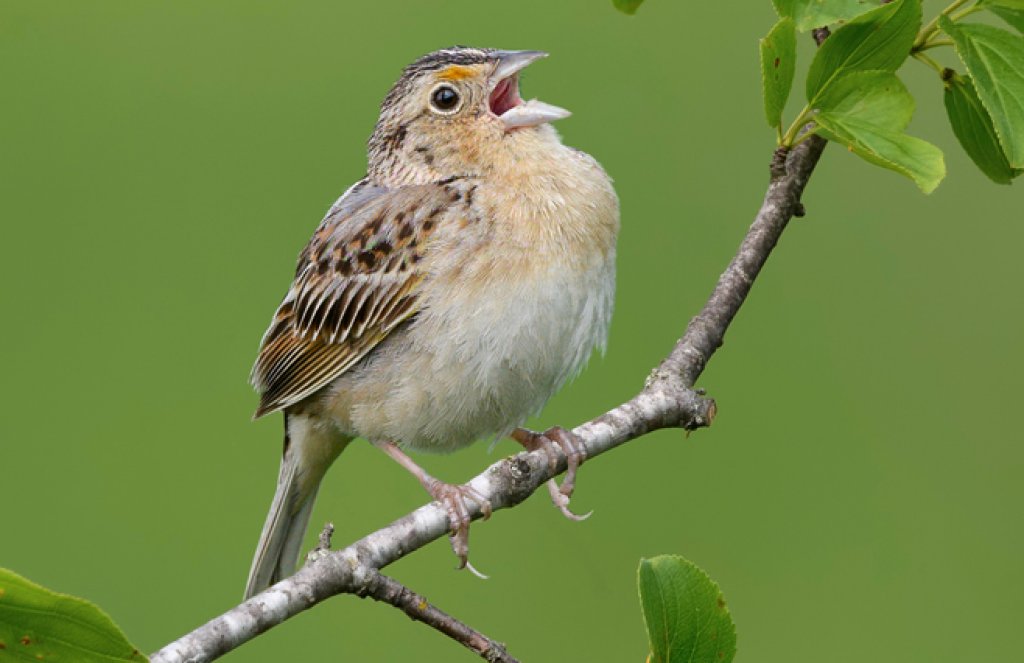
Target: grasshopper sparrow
[445,297]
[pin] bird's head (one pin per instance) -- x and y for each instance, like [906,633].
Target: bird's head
[457,112]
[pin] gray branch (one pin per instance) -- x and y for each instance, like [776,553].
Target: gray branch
[416,607]
[389,590]
[668,400]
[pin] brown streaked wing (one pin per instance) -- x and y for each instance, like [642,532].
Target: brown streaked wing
[356,281]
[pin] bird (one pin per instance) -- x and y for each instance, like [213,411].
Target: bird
[444,297]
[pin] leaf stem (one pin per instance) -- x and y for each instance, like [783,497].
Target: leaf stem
[813,131]
[935,43]
[794,129]
[928,31]
[967,12]
[929,61]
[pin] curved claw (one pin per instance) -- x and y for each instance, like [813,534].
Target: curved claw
[472,569]
[454,499]
[575,452]
[561,502]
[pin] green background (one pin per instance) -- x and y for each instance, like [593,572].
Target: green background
[161,165]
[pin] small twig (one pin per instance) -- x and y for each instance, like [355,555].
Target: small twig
[929,61]
[388,590]
[929,30]
[323,544]
[324,541]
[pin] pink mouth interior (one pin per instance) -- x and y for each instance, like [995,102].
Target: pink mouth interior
[505,95]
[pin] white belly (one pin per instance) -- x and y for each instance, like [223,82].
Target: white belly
[481,366]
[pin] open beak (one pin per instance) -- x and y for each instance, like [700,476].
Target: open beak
[505,101]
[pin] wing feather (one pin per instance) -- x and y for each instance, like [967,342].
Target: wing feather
[356,281]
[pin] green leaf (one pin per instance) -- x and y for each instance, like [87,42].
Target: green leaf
[627,6]
[37,624]
[876,97]
[778,64]
[1012,4]
[995,60]
[1014,17]
[809,14]
[867,111]
[973,127]
[917,159]
[685,613]
[878,40]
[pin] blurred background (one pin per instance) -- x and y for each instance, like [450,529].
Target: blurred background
[162,164]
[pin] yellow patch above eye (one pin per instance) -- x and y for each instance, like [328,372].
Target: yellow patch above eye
[456,72]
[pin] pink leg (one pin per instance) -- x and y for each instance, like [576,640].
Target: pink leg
[575,451]
[453,498]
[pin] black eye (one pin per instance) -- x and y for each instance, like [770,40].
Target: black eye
[444,98]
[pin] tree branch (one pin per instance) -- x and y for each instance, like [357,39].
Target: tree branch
[389,590]
[790,171]
[416,607]
[667,400]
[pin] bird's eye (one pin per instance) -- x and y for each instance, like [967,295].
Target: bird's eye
[444,99]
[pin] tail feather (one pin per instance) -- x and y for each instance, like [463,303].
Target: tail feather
[308,452]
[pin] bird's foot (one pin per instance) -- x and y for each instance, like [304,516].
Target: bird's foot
[575,452]
[454,499]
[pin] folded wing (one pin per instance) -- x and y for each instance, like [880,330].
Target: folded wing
[356,281]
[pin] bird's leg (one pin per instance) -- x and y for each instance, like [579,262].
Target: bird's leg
[575,452]
[452,497]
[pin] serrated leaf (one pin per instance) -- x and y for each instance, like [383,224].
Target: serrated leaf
[972,126]
[778,64]
[915,158]
[627,6]
[867,111]
[809,14]
[685,613]
[1014,17]
[37,624]
[995,60]
[878,40]
[877,97]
